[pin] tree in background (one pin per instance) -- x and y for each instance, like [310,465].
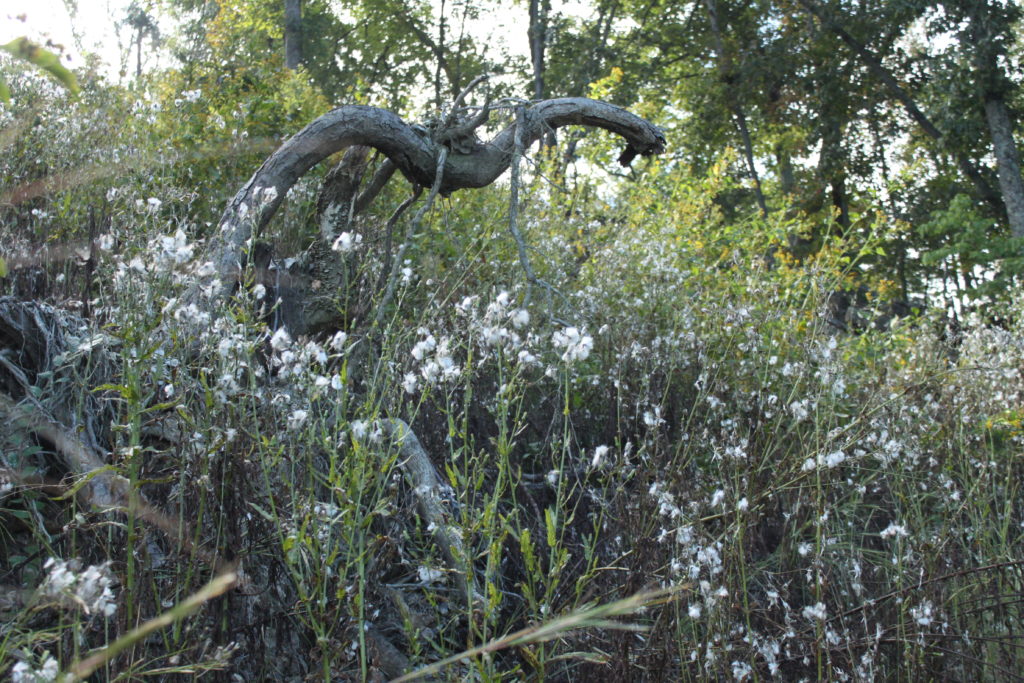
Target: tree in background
[143,25]
[292,34]
[985,35]
[839,111]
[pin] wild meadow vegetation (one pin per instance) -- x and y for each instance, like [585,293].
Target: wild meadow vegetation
[744,421]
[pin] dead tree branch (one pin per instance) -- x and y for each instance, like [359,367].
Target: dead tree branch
[414,154]
[428,486]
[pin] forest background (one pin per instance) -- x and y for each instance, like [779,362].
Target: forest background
[748,408]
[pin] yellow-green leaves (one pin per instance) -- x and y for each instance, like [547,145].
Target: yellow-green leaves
[27,51]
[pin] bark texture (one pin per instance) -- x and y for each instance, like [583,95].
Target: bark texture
[1008,162]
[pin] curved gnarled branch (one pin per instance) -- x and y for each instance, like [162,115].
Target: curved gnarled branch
[413,153]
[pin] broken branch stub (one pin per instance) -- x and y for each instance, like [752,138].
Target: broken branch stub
[413,153]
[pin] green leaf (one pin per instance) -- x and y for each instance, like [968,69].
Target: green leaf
[159,407]
[24,49]
[3,264]
[82,481]
[263,513]
[126,392]
[5,94]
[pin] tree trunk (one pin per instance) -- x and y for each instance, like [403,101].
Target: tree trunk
[728,78]
[748,152]
[832,168]
[784,163]
[537,34]
[336,205]
[840,201]
[1008,161]
[438,90]
[138,55]
[292,34]
[994,87]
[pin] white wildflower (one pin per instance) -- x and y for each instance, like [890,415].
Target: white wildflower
[297,419]
[281,340]
[520,318]
[894,530]
[347,242]
[526,358]
[429,574]
[922,614]
[337,342]
[423,347]
[741,671]
[834,458]
[493,335]
[22,672]
[815,611]
[577,344]
[359,429]
[652,418]
[174,248]
[90,588]
[315,352]
[431,371]
[831,460]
